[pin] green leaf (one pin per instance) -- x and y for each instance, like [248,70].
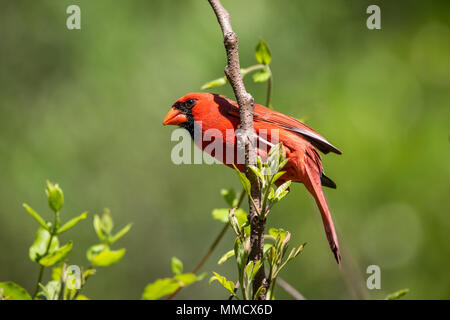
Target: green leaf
[285,241]
[275,232]
[261,76]
[258,292]
[274,156]
[300,249]
[55,196]
[221,214]
[177,266]
[256,268]
[241,257]
[81,297]
[72,222]
[259,163]
[214,83]
[121,233]
[282,195]
[252,269]
[186,279]
[201,276]
[229,196]
[37,249]
[160,288]
[88,273]
[257,172]
[229,285]
[12,291]
[163,287]
[267,247]
[397,295]
[262,53]
[277,176]
[107,222]
[107,257]
[98,228]
[51,290]
[283,163]
[226,256]
[56,273]
[282,190]
[272,256]
[57,255]
[244,181]
[36,216]
[294,253]
[271,194]
[242,219]
[95,250]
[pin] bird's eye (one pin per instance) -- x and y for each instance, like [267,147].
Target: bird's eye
[190,103]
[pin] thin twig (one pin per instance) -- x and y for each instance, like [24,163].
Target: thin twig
[63,279]
[289,289]
[41,273]
[246,105]
[269,90]
[252,68]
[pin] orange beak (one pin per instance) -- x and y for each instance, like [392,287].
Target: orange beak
[174,117]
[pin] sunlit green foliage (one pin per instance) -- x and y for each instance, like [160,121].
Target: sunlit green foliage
[47,252]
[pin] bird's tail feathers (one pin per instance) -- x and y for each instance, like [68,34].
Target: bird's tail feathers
[315,188]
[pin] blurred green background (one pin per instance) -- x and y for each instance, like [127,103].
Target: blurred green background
[84,108]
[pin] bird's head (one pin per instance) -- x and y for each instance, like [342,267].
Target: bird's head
[183,110]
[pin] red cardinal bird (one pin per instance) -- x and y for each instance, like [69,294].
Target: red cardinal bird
[300,143]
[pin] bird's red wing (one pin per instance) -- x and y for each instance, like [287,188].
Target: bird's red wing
[263,114]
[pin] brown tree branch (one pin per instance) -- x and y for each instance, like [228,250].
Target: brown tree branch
[247,136]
